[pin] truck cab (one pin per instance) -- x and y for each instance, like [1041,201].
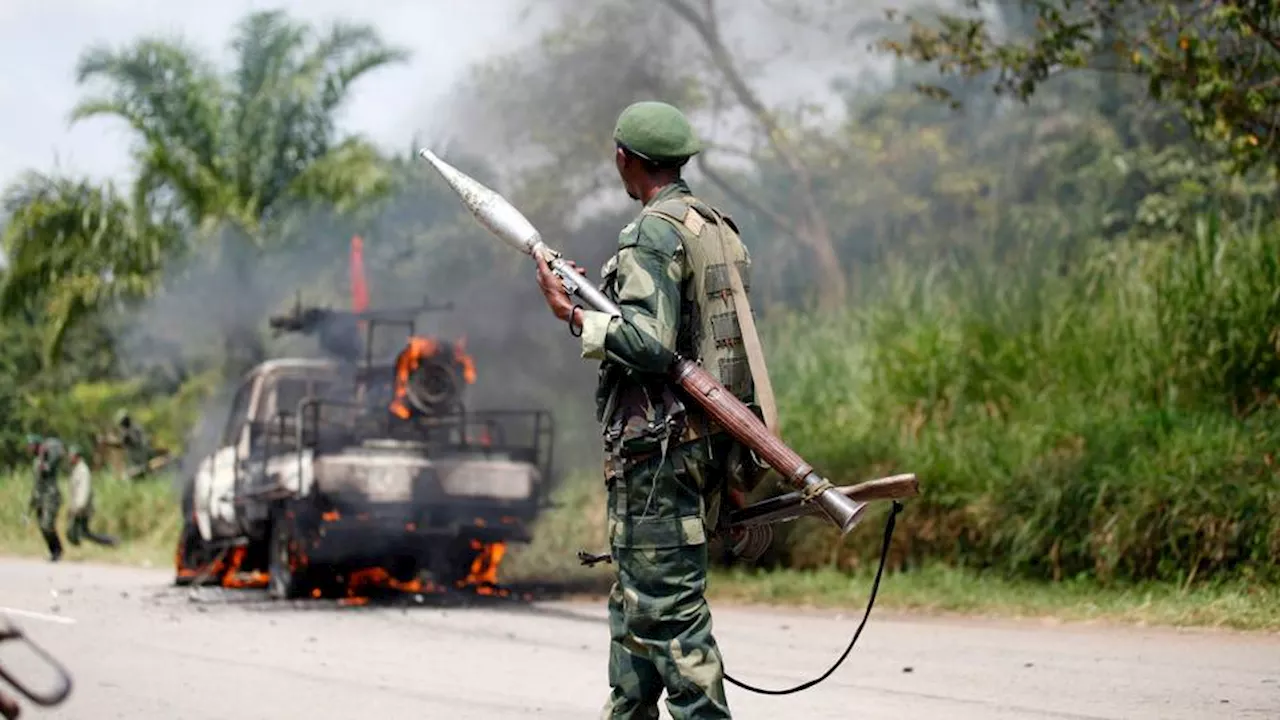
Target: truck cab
[269,393]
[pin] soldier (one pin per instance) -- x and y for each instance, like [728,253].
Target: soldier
[130,437]
[46,498]
[667,465]
[81,490]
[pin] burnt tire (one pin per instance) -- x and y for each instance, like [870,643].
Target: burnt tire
[289,579]
[193,558]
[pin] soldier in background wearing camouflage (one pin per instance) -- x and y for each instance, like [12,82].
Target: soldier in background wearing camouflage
[128,436]
[46,498]
[668,466]
[81,490]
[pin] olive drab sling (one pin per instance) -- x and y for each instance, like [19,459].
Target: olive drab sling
[718,329]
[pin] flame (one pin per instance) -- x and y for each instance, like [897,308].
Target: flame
[362,583]
[482,577]
[233,578]
[216,569]
[468,365]
[417,350]
[376,577]
[484,569]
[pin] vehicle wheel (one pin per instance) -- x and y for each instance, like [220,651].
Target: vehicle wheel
[288,575]
[193,558]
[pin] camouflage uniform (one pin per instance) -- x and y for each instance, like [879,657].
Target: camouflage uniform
[133,440]
[665,469]
[46,498]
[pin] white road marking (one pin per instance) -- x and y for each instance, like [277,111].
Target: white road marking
[37,616]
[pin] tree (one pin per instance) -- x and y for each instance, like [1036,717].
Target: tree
[1218,62]
[220,158]
[73,248]
[242,147]
[555,103]
[810,225]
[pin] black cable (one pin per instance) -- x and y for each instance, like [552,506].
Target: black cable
[571,331]
[875,587]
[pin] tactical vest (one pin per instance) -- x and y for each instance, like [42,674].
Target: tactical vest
[710,333]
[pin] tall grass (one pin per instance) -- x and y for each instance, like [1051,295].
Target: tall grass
[1117,420]
[143,515]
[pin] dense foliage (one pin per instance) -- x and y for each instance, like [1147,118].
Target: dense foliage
[1217,62]
[1118,421]
[1062,313]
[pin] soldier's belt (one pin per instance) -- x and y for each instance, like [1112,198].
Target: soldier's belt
[690,433]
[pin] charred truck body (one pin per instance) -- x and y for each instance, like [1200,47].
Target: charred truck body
[332,468]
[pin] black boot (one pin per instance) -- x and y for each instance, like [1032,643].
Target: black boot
[55,545]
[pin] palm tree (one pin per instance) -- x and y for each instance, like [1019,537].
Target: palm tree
[73,247]
[221,158]
[245,146]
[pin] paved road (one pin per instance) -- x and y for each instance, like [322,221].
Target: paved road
[142,650]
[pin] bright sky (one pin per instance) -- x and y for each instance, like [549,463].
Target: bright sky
[40,42]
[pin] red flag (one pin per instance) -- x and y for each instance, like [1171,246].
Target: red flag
[359,290]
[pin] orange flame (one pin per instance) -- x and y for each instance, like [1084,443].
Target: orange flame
[216,569]
[484,569]
[468,365]
[415,352]
[233,578]
[376,577]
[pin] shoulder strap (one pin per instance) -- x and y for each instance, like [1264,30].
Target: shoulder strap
[750,340]
[692,220]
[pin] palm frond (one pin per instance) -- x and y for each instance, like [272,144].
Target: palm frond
[160,85]
[349,175]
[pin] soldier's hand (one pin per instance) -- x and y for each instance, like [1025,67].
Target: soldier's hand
[553,290]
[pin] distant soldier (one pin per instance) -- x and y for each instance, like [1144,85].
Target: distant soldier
[128,436]
[46,498]
[81,489]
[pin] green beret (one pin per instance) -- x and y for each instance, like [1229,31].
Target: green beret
[33,439]
[73,450]
[656,131]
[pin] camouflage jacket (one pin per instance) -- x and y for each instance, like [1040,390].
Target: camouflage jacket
[644,278]
[46,465]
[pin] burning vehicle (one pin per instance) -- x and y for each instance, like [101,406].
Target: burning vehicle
[334,476]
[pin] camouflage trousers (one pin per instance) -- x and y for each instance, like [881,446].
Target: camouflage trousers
[47,504]
[659,619]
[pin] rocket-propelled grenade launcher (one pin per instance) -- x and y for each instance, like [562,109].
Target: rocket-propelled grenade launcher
[506,222]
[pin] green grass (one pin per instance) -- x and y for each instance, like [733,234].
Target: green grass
[143,515]
[577,523]
[1118,422]
[941,589]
